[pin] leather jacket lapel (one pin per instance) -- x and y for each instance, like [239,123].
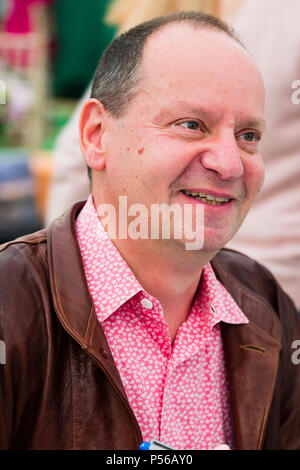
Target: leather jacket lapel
[71,297]
[252,357]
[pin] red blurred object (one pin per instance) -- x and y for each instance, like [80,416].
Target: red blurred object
[18,21]
[24,38]
[17,18]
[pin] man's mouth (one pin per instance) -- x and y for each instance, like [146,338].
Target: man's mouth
[207,198]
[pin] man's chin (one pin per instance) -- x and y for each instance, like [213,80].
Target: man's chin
[211,242]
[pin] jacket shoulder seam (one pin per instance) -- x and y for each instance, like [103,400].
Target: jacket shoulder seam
[33,241]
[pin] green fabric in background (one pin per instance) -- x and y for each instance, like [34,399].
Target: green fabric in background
[81,37]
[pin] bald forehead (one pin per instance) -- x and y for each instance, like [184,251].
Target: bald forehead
[187,28]
[193,44]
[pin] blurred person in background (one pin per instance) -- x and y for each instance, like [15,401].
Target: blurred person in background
[271,233]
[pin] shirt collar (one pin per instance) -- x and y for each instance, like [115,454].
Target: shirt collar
[110,280]
[215,302]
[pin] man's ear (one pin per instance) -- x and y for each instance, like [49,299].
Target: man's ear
[91,128]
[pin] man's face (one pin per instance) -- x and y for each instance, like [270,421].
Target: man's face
[193,127]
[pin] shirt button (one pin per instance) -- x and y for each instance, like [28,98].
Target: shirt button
[147,303]
[212,308]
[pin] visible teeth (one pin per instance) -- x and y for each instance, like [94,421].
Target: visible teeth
[208,198]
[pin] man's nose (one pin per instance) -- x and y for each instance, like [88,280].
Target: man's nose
[223,156]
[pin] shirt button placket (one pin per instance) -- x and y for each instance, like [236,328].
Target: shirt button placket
[147,303]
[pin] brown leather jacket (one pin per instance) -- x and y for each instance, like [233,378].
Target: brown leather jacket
[60,388]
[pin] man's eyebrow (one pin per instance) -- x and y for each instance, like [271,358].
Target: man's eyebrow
[168,112]
[256,123]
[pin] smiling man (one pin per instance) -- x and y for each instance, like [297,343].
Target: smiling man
[139,338]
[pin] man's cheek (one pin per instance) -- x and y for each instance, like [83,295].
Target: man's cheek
[260,176]
[255,177]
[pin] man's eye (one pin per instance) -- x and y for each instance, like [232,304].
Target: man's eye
[250,137]
[191,125]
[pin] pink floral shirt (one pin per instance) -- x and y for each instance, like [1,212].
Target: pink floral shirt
[178,393]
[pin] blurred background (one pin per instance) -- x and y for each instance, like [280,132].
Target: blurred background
[48,53]
[49,50]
